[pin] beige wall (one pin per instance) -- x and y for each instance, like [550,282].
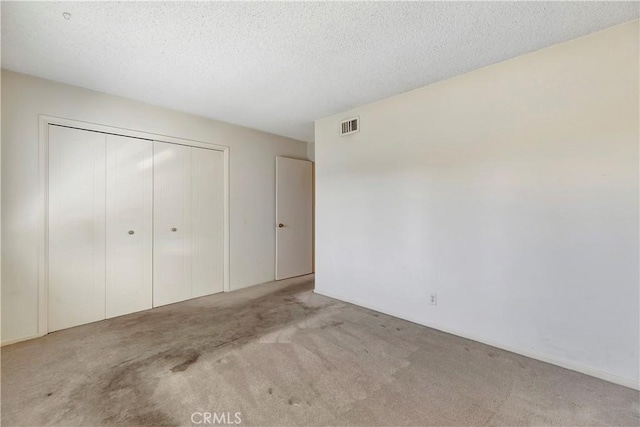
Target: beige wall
[252,182]
[510,191]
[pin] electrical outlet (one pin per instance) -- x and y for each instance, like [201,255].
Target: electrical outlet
[433,299]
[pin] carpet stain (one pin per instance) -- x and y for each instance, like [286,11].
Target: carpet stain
[184,365]
[205,333]
[334,324]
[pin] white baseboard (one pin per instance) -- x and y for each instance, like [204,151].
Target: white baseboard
[17,340]
[567,364]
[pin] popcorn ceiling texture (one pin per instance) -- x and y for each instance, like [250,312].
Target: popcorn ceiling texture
[277,67]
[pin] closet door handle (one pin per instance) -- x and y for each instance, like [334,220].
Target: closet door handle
[174,229]
[131,232]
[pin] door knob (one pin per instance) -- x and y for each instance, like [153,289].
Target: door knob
[131,231]
[174,229]
[280,225]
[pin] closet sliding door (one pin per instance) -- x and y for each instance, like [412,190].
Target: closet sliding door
[172,223]
[77,161]
[132,224]
[188,222]
[100,226]
[207,209]
[129,225]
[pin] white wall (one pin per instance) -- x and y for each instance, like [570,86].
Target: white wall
[511,191]
[252,182]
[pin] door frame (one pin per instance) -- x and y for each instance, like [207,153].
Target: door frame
[43,197]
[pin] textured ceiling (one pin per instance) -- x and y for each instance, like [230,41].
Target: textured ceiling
[279,66]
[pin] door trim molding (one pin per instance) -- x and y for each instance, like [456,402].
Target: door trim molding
[43,197]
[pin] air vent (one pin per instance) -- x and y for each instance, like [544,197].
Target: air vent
[350,126]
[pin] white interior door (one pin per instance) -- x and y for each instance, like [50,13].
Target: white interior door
[172,253]
[129,225]
[294,218]
[76,227]
[207,209]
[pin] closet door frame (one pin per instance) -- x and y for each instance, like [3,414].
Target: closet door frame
[43,197]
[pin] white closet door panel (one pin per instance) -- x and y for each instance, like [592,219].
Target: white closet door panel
[172,223]
[129,225]
[208,221]
[76,227]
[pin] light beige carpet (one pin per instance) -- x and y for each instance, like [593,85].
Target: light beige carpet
[279,355]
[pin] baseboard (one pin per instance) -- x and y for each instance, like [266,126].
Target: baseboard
[17,340]
[567,364]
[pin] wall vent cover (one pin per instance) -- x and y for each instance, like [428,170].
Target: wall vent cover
[349,126]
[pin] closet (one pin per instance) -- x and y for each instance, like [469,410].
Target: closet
[132,224]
